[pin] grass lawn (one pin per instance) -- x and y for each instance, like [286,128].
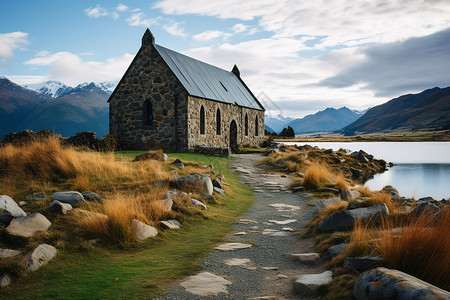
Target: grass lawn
[144,271]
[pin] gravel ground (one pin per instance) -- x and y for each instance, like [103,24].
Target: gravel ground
[261,278]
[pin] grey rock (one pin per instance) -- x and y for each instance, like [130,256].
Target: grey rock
[205,284]
[423,206]
[39,257]
[306,285]
[324,202]
[345,219]
[169,196]
[5,253]
[92,197]
[280,162]
[165,157]
[200,180]
[177,163]
[5,280]
[216,183]
[23,203]
[175,172]
[362,264]
[335,250]
[347,195]
[428,199]
[383,283]
[330,190]
[302,154]
[171,224]
[142,230]
[392,191]
[71,197]
[307,258]
[219,191]
[35,197]
[198,203]
[28,226]
[360,156]
[328,151]
[9,209]
[59,207]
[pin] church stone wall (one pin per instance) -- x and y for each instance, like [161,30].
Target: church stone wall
[149,78]
[228,112]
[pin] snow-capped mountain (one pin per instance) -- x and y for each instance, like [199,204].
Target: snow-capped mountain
[53,89]
[56,89]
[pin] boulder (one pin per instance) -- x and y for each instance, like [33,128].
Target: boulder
[171,224]
[92,197]
[206,197]
[27,226]
[82,213]
[345,219]
[335,250]
[198,203]
[382,283]
[59,207]
[307,258]
[306,285]
[177,163]
[423,206]
[219,191]
[389,189]
[40,256]
[298,189]
[360,156]
[217,183]
[169,196]
[142,230]
[302,154]
[71,197]
[324,202]
[347,195]
[165,157]
[9,209]
[5,253]
[201,181]
[5,279]
[330,190]
[35,197]
[362,264]
[328,151]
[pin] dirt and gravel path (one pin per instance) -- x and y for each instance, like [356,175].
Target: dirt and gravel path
[270,226]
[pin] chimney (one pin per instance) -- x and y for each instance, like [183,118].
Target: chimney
[148,38]
[236,71]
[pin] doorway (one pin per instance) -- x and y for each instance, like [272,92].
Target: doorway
[233,137]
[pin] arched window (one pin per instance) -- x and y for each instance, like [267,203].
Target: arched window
[148,113]
[202,120]
[218,122]
[256,126]
[246,124]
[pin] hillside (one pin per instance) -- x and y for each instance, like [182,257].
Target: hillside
[330,119]
[276,123]
[16,103]
[84,109]
[428,110]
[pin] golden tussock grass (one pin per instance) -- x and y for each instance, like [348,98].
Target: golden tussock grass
[317,176]
[341,183]
[421,247]
[365,191]
[381,197]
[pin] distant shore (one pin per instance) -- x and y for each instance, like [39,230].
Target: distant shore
[431,136]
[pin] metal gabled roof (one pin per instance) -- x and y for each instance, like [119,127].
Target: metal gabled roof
[207,81]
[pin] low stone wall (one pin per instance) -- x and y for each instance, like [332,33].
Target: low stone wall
[26,137]
[222,152]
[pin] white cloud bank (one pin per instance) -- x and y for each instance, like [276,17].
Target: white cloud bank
[72,69]
[175,29]
[96,12]
[139,19]
[10,42]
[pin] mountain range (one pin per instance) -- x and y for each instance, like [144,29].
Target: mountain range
[329,119]
[54,106]
[428,110]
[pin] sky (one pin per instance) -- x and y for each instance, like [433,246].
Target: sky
[298,57]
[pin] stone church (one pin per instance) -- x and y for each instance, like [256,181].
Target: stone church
[168,100]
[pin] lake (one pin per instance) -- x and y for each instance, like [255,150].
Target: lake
[422,170]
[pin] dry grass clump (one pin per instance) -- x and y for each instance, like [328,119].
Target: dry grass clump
[317,176]
[381,197]
[422,248]
[365,191]
[341,183]
[155,154]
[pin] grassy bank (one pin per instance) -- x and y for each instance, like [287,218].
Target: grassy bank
[105,270]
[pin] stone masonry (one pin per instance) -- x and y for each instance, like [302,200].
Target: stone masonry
[175,113]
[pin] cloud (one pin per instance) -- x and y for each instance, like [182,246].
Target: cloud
[96,12]
[138,19]
[339,22]
[239,28]
[121,7]
[175,29]
[10,42]
[395,68]
[115,15]
[72,69]
[210,35]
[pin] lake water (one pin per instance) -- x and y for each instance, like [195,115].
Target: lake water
[422,170]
